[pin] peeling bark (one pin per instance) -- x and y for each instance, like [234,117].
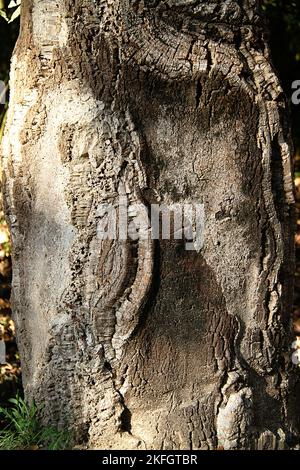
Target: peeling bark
[142,344]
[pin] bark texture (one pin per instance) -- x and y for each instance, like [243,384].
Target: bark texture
[144,344]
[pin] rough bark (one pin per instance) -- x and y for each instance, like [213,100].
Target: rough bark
[144,344]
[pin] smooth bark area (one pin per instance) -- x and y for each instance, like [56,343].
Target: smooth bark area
[144,344]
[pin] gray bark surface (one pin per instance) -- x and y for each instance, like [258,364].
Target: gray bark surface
[144,344]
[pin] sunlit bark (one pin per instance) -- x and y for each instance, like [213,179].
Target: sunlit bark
[144,344]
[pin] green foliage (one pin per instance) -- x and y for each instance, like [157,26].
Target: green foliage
[11,11]
[23,430]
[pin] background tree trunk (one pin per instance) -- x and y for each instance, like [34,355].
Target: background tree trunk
[144,344]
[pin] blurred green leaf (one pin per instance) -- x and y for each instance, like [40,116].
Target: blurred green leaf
[3,14]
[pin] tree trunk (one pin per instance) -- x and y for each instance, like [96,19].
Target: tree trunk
[142,343]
